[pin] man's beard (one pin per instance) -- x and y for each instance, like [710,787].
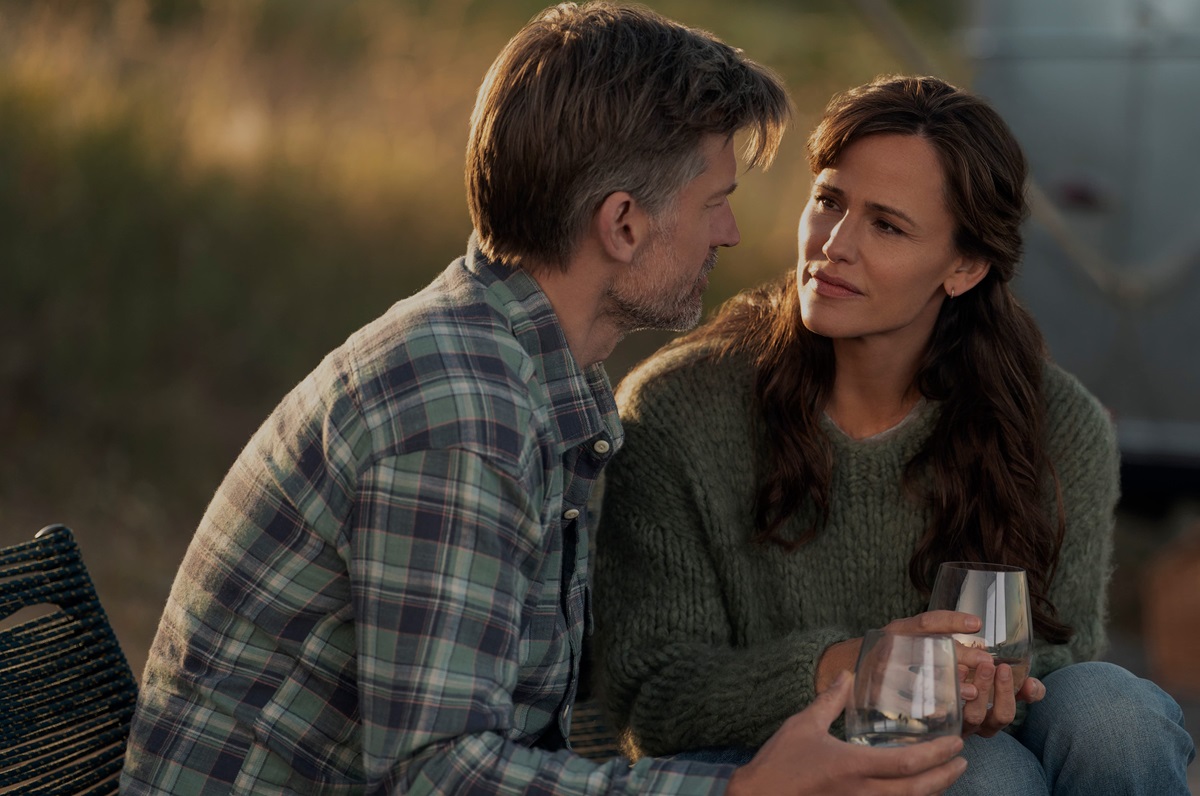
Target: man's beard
[677,313]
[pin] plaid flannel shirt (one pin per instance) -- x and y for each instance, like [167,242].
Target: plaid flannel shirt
[388,593]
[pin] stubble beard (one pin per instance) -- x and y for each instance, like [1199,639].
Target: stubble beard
[678,313]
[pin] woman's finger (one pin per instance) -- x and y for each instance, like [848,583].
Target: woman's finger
[1032,690]
[1004,707]
[975,711]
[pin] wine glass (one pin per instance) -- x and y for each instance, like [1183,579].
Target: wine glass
[999,596]
[905,690]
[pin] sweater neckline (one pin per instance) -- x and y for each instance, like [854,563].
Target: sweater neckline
[916,410]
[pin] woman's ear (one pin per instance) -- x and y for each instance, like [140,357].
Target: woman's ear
[620,226]
[968,274]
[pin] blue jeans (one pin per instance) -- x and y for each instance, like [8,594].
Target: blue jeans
[1100,731]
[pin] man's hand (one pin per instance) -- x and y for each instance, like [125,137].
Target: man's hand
[803,758]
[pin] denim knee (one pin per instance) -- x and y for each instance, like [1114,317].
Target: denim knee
[1101,729]
[728,755]
[999,766]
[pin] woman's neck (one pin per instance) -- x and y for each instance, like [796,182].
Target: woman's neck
[872,390]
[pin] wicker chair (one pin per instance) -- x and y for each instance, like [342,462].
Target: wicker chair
[66,691]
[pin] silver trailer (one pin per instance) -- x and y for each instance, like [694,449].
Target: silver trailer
[1105,98]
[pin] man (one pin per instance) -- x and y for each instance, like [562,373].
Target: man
[388,593]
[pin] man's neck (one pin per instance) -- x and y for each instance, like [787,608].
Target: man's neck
[577,295]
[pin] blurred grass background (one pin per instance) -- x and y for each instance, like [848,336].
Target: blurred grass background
[199,199]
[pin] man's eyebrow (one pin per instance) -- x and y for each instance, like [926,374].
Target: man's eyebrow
[726,191]
[878,207]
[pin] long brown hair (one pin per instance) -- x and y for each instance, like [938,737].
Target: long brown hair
[984,471]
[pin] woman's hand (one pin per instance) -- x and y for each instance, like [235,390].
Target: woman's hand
[948,623]
[843,655]
[995,704]
[989,699]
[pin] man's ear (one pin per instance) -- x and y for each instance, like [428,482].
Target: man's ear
[621,225]
[967,275]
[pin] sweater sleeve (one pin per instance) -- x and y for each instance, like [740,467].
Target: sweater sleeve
[674,673]
[1083,447]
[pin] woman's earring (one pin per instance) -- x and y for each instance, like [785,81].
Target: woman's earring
[951,292]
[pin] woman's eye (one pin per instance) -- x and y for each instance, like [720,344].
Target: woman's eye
[884,226]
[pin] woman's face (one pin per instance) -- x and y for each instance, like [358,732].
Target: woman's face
[877,254]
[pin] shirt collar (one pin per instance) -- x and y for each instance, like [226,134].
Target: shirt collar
[581,399]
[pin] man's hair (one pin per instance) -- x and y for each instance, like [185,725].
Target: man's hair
[588,100]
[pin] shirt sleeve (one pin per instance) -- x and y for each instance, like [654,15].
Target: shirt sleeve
[444,552]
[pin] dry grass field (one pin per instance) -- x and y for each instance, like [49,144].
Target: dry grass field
[199,199]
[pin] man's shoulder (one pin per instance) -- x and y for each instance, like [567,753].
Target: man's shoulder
[455,315]
[430,340]
[440,369]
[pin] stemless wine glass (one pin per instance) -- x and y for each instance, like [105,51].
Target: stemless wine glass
[905,690]
[999,596]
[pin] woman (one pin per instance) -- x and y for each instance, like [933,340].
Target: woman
[795,470]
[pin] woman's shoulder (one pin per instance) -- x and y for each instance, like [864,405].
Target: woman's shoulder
[1075,418]
[686,374]
[1066,395]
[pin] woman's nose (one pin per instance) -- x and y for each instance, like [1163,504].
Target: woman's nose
[840,245]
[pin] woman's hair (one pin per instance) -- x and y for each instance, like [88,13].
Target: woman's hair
[588,100]
[984,470]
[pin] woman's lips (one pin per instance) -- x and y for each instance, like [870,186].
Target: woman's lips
[833,287]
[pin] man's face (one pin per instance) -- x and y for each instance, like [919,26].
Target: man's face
[664,286]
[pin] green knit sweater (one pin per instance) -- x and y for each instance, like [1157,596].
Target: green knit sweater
[703,639]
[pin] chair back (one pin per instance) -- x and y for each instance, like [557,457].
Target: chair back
[66,690]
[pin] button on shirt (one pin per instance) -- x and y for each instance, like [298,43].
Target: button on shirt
[388,592]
